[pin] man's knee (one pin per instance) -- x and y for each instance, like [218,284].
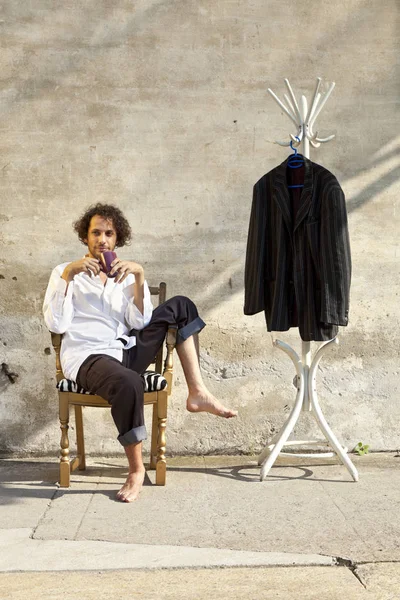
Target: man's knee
[182,301]
[128,381]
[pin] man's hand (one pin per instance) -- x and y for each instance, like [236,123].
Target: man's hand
[123,268]
[88,265]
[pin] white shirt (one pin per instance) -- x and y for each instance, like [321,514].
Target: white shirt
[92,316]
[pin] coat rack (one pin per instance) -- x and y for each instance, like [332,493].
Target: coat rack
[306,368]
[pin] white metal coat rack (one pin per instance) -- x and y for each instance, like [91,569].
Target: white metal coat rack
[304,118]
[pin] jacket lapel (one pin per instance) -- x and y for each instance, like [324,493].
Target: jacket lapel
[306,194]
[282,194]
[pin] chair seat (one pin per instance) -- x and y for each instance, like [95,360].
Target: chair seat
[153,382]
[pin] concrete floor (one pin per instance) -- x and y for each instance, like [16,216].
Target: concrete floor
[304,523]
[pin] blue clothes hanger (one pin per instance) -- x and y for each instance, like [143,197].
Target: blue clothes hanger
[294,162]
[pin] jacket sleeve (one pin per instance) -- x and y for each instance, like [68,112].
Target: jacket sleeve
[254,285]
[58,308]
[335,259]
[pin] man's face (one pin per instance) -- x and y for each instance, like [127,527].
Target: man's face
[101,236]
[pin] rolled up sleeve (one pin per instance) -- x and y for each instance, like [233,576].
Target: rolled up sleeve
[133,316]
[58,308]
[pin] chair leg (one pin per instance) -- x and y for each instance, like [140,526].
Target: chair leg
[154,437]
[64,443]
[80,440]
[161,465]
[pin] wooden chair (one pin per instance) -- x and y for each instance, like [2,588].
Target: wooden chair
[158,399]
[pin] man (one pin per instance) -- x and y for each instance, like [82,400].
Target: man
[111,333]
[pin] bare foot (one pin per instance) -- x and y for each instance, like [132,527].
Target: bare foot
[132,486]
[205,402]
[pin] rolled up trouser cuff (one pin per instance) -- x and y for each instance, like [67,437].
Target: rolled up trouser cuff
[191,328]
[134,436]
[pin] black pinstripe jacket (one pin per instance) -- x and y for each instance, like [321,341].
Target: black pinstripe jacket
[299,271]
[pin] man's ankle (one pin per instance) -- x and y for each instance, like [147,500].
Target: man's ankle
[197,390]
[137,470]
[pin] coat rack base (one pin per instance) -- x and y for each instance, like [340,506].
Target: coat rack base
[306,400]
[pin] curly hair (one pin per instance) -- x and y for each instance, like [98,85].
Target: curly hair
[108,212]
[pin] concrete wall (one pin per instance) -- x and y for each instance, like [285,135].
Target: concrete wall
[161,107]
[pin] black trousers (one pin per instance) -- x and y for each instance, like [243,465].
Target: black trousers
[121,383]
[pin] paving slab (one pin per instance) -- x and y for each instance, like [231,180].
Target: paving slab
[300,583]
[26,490]
[220,502]
[382,579]
[20,552]
[372,507]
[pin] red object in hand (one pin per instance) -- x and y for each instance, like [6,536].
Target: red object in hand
[105,264]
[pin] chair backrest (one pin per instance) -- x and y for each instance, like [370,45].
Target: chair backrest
[56,338]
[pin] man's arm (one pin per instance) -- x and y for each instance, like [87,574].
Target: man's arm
[58,308]
[138,291]
[123,268]
[140,309]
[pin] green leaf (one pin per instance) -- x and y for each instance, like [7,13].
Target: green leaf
[361,449]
